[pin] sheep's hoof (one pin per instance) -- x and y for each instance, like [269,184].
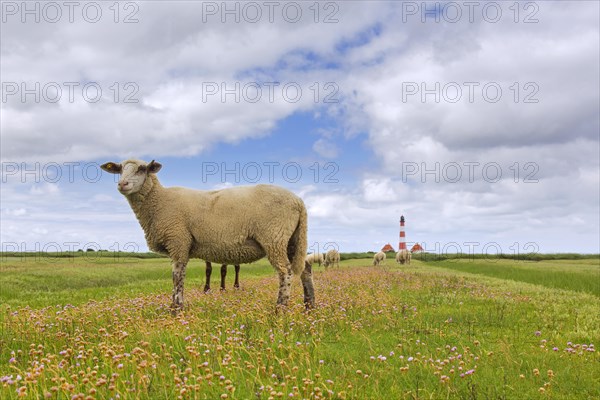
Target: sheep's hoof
[222,289]
[309,305]
[206,289]
[280,308]
[176,308]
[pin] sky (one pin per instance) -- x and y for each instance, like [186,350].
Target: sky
[477,121]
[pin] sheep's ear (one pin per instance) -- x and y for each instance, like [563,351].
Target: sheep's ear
[153,167]
[112,167]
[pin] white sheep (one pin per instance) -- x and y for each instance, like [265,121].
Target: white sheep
[403,256]
[236,283]
[332,257]
[379,258]
[315,258]
[229,226]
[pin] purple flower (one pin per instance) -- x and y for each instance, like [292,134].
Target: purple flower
[538,333]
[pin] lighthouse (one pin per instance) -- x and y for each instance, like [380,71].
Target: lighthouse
[402,243]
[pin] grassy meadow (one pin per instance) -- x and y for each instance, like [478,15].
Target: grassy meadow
[100,328]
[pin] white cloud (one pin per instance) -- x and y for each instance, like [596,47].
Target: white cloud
[40,231]
[45,189]
[224,185]
[325,148]
[379,190]
[17,212]
[171,55]
[175,56]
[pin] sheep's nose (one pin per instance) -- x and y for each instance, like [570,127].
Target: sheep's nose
[123,185]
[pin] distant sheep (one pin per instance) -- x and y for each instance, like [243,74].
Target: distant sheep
[379,259]
[315,258]
[332,257]
[236,284]
[403,256]
[229,226]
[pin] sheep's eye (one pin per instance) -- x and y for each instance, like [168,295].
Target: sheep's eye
[141,169]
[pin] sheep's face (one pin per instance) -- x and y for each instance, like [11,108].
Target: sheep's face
[133,174]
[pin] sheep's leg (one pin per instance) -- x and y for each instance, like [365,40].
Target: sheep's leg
[236,284]
[279,260]
[178,279]
[223,275]
[307,285]
[285,283]
[208,273]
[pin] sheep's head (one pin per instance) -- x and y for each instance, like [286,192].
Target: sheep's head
[133,174]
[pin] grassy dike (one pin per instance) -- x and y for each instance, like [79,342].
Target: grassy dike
[81,328]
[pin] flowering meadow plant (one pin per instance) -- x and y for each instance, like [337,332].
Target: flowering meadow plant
[395,332]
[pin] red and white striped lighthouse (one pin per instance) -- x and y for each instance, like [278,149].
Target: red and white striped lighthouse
[402,243]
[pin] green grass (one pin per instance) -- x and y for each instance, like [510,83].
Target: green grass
[424,256]
[576,275]
[103,327]
[43,281]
